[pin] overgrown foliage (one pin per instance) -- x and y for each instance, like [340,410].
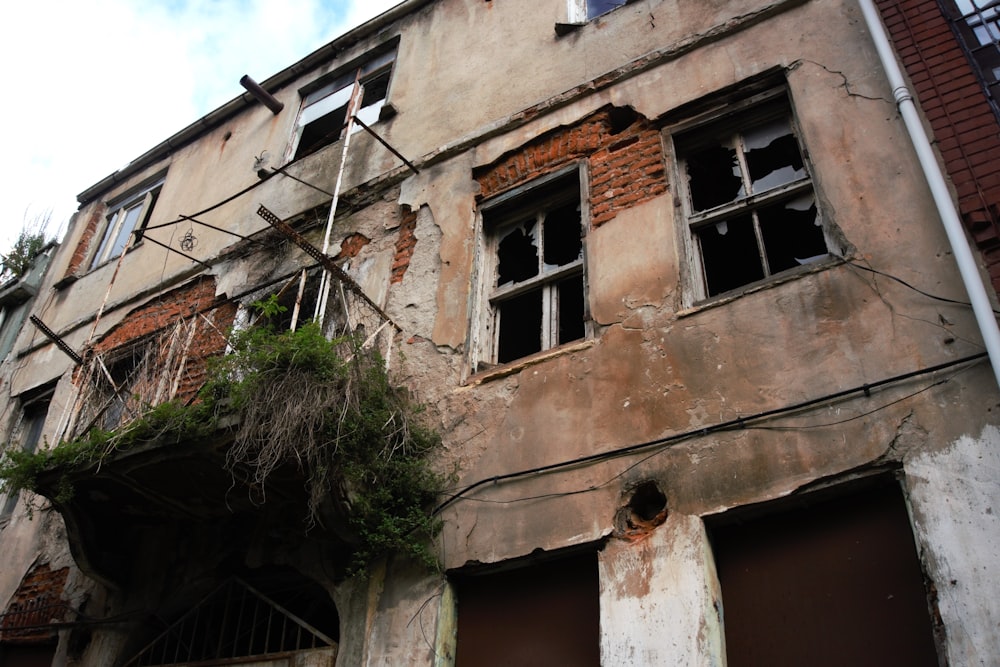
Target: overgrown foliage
[328,408]
[19,469]
[32,238]
[325,408]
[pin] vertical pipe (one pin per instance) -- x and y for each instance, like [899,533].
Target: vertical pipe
[352,108]
[967,267]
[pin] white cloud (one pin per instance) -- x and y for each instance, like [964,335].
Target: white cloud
[93,85]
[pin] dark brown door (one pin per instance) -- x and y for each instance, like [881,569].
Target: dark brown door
[543,615]
[835,583]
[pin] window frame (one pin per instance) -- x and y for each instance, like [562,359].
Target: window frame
[977,22]
[28,433]
[116,220]
[504,212]
[579,11]
[734,116]
[332,93]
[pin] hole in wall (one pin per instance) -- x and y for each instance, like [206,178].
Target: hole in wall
[622,118]
[645,510]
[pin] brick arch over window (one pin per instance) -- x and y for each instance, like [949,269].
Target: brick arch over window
[624,154]
[966,129]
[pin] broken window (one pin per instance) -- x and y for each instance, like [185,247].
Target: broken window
[833,581]
[536,297]
[125,218]
[541,614]
[978,23]
[750,202]
[323,117]
[29,435]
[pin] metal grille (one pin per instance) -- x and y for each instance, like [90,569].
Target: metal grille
[978,23]
[235,621]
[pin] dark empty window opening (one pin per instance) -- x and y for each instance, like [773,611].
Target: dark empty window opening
[29,430]
[296,301]
[323,117]
[751,206]
[539,615]
[833,582]
[536,298]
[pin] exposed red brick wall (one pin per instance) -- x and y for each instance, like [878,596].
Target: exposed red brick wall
[626,167]
[964,125]
[352,245]
[405,244]
[191,301]
[82,248]
[36,602]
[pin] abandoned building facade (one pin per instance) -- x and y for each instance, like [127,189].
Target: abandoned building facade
[668,280]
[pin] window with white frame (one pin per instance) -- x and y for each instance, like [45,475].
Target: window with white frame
[126,217]
[749,198]
[323,117]
[534,269]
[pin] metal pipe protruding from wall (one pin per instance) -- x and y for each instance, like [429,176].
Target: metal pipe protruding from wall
[967,266]
[264,97]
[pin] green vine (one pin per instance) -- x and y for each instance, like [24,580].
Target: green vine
[326,407]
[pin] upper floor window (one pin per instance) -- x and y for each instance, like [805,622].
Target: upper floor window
[125,217]
[323,116]
[749,202]
[28,434]
[534,269]
[978,22]
[584,10]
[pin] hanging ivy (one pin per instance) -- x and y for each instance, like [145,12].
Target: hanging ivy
[326,407]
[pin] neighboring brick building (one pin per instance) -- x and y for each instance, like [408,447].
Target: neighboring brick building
[950,50]
[665,276]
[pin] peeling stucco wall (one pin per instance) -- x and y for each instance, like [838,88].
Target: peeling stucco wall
[954,496]
[640,397]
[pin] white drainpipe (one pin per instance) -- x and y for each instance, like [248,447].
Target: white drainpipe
[981,305]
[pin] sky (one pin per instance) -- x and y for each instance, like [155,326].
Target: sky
[92,85]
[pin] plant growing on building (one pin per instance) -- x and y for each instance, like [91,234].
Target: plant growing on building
[32,238]
[329,408]
[326,407]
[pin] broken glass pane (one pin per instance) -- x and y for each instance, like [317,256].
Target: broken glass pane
[563,242]
[570,297]
[792,234]
[714,177]
[730,255]
[517,254]
[772,155]
[520,326]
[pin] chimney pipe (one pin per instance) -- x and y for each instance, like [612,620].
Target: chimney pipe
[264,97]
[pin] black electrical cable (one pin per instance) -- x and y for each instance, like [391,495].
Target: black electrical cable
[732,424]
[912,287]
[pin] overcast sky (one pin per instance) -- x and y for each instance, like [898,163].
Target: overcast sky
[90,85]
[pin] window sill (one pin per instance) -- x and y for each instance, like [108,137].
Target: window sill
[761,285]
[511,367]
[112,260]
